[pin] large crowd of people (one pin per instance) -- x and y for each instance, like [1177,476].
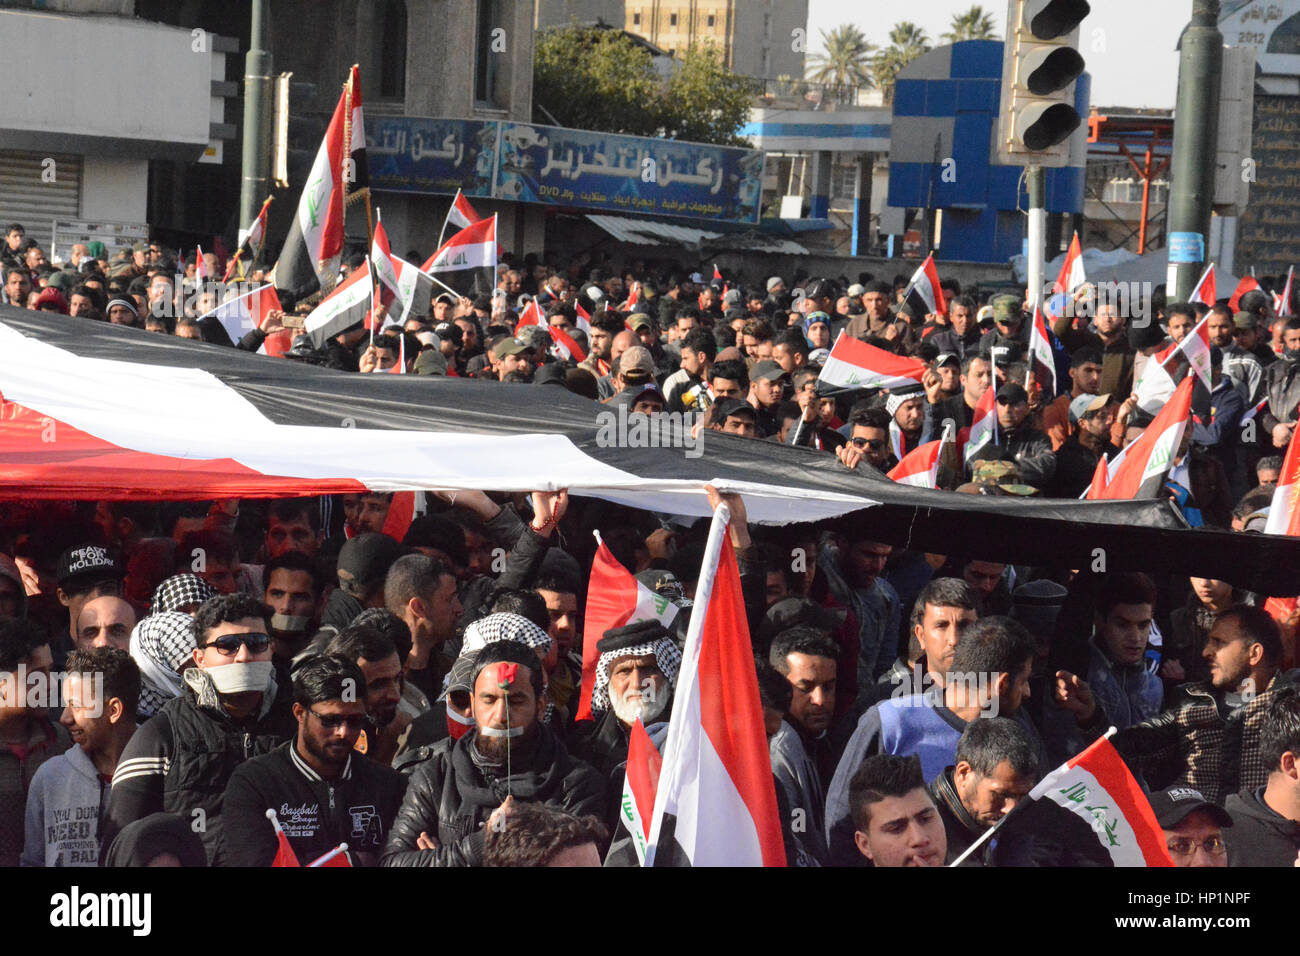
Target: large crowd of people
[415,694]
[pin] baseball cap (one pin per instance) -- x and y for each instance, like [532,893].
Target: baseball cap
[697,278]
[86,561]
[1172,807]
[365,560]
[550,374]
[985,315]
[1087,404]
[302,347]
[637,357]
[1245,320]
[1007,308]
[733,297]
[855,290]
[509,347]
[429,339]
[431,362]
[724,409]
[450,330]
[765,370]
[1012,394]
[947,358]
[640,320]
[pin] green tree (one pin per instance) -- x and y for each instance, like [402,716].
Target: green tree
[844,61]
[975,24]
[600,79]
[594,79]
[703,101]
[907,41]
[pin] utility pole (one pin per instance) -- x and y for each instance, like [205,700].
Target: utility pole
[253,187]
[1196,134]
[1036,184]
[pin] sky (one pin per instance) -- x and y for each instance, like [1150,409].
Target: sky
[1128,45]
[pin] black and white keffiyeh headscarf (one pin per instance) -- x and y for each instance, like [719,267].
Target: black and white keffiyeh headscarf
[180,591]
[666,655]
[504,626]
[160,644]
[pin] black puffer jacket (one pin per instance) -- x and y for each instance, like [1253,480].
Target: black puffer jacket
[181,759]
[451,797]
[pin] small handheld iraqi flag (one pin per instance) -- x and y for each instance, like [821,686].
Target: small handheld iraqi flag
[855,364]
[924,294]
[1205,291]
[1041,359]
[284,855]
[1072,275]
[1097,786]
[920,468]
[640,784]
[984,425]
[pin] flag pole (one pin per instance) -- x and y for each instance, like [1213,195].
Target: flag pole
[337,851]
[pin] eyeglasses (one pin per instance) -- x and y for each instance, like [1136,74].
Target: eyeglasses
[228,644]
[334,721]
[875,444]
[1184,846]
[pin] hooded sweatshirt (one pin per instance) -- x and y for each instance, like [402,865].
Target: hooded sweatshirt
[67,798]
[1259,835]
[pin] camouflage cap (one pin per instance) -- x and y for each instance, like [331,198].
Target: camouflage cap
[994,472]
[1021,491]
[1007,308]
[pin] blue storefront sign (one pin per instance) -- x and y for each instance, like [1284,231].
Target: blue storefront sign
[419,155]
[523,162]
[628,174]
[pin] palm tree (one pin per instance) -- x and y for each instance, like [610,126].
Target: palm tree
[975,24]
[846,60]
[907,41]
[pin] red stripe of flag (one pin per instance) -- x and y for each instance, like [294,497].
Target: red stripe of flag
[611,599]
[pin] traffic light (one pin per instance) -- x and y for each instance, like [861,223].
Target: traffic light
[1040,65]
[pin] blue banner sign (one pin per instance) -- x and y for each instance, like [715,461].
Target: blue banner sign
[413,154]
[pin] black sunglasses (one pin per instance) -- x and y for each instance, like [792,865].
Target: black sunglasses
[333,721]
[875,444]
[228,644]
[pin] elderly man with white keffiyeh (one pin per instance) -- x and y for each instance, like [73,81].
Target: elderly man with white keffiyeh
[635,677]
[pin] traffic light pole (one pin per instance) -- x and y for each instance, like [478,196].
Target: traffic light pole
[1196,132]
[256,158]
[1036,183]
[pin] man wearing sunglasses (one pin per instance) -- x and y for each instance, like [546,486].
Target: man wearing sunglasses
[181,759]
[322,792]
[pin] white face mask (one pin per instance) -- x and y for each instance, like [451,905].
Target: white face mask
[629,707]
[290,623]
[242,677]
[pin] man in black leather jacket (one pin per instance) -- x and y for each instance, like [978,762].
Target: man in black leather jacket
[458,788]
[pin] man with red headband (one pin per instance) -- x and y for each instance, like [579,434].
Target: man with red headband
[461,787]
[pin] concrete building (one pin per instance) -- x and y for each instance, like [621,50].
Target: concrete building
[757,37]
[562,13]
[93,98]
[421,58]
